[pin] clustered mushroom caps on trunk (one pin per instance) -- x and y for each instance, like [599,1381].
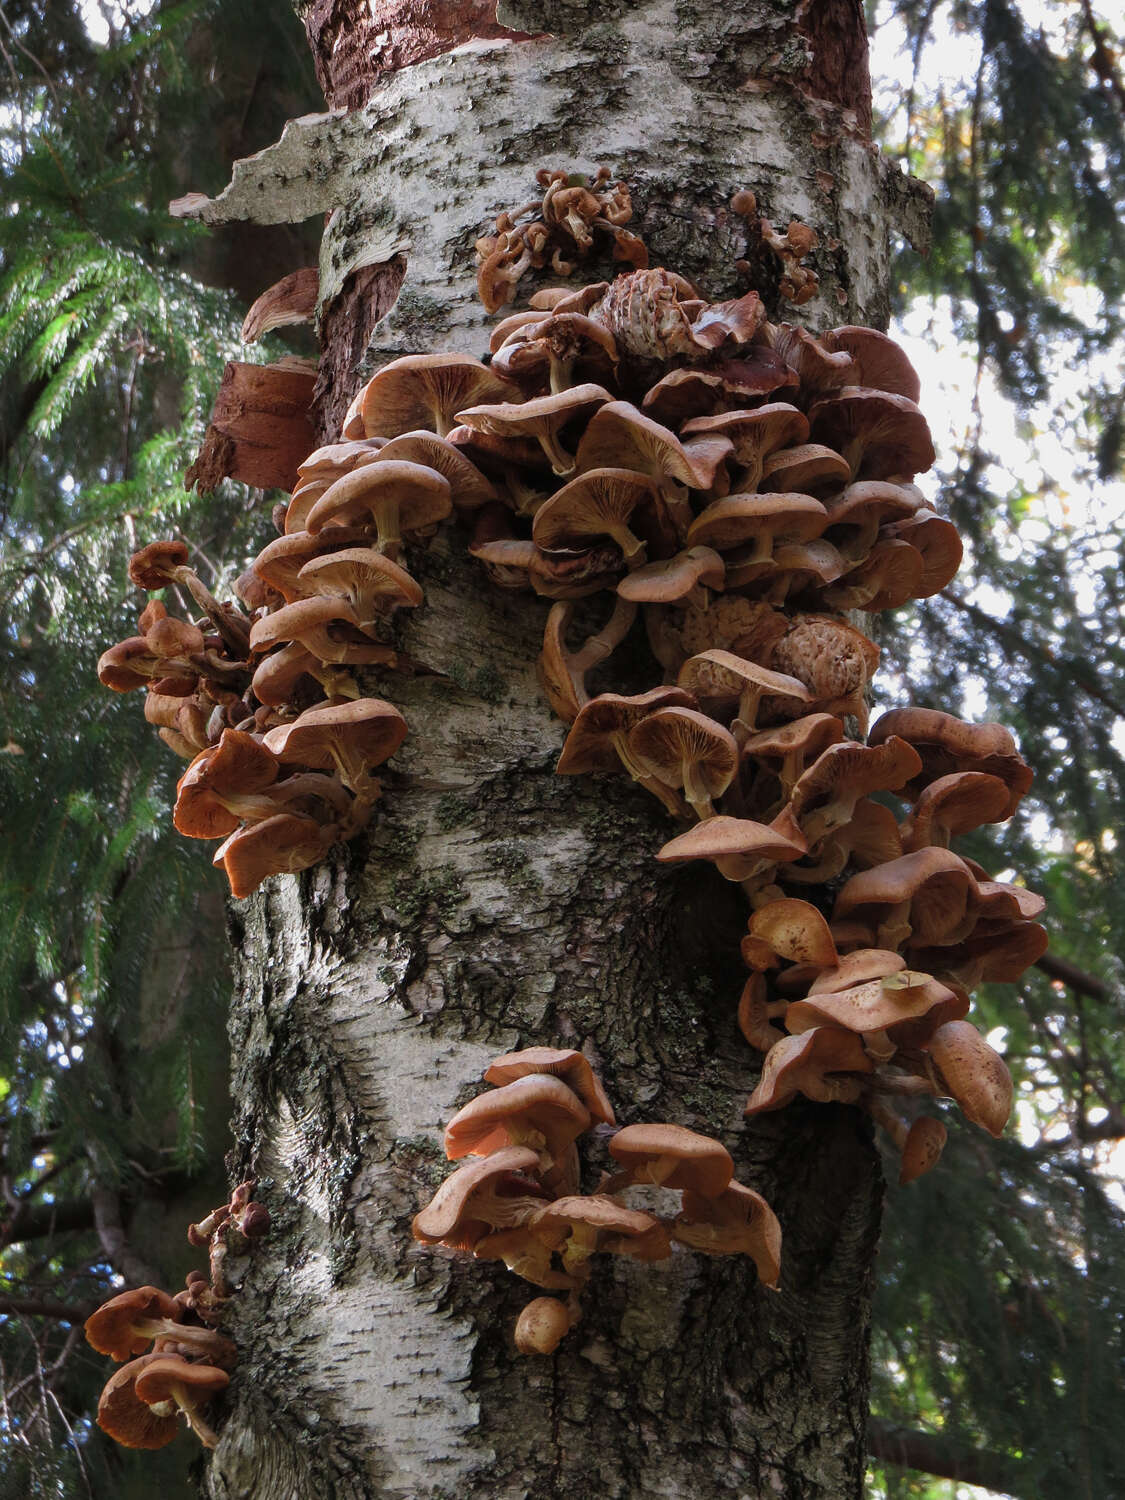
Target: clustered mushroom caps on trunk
[187,1367]
[738,482]
[520,1203]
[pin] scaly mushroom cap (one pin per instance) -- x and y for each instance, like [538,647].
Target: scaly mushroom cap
[974,1073]
[109,1330]
[820,1064]
[536,1107]
[833,659]
[737,1222]
[124,1417]
[495,1192]
[425,390]
[566,1064]
[672,1157]
[948,744]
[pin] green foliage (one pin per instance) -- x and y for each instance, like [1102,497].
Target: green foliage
[113,964]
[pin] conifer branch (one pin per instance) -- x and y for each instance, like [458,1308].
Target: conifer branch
[45,1307]
[941,1456]
[1031,651]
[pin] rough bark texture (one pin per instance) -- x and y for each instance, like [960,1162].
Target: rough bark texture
[496,905]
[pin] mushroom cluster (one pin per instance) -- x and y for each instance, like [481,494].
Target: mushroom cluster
[521,1203]
[142,1402]
[573,218]
[742,484]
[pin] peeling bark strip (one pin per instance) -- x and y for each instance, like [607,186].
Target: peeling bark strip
[259,429]
[498,906]
[358,43]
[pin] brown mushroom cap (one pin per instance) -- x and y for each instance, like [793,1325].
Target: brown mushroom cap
[881,435]
[620,436]
[894,1004]
[542,419]
[123,1416]
[153,566]
[425,390]
[789,929]
[673,1157]
[468,487]
[952,805]
[371,583]
[395,495]
[930,895]
[280,845]
[347,737]
[949,744]
[974,1073]
[110,1330]
[600,502]
[582,1220]
[757,521]
[922,1150]
[737,1222]
[880,363]
[820,1064]
[542,1325]
[739,847]
[280,562]
[494,1192]
[223,785]
[681,747]
[566,1064]
[825,797]
[537,1107]
[159,1378]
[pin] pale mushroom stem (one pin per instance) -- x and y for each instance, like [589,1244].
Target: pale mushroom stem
[202,1340]
[675,497]
[235,639]
[560,460]
[668,795]
[605,641]
[335,684]
[203,1432]
[696,792]
[386,517]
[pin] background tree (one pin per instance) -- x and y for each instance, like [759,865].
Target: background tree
[1037,1306]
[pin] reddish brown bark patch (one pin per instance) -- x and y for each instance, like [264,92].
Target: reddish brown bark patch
[357,43]
[838,71]
[259,430]
[347,324]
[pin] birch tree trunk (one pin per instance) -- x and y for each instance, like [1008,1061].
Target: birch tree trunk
[494,905]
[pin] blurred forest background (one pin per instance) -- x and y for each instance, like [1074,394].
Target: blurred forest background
[1000,1346]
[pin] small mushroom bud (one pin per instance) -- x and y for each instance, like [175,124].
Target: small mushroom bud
[254,1221]
[542,1325]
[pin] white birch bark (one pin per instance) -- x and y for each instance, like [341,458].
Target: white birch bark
[494,905]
